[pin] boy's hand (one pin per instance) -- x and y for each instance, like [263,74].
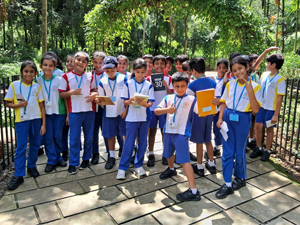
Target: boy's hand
[171,109]
[98,101]
[131,101]
[141,102]
[90,98]
[274,48]
[43,130]
[274,119]
[164,83]
[23,103]
[219,123]
[76,91]
[215,101]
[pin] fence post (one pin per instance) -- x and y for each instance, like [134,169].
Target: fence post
[284,106]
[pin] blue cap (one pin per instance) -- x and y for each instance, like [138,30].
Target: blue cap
[110,62]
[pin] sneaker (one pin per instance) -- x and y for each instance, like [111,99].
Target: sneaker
[62,163]
[120,152]
[95,159]
[72,170]
[15,183]
[84,164]
[238,183]
[224,191]
[211,169]
[265,156]
[251,144]
[65,155]
[188,196]
[140,171]
[256,152]
[110,163]
[33,172]
[49,168]
[168,173]
[121,175]
[151,161]
[217,152]
[41,151]
[193,157]
[197,171]
[164,161]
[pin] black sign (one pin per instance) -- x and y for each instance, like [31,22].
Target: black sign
[157,80]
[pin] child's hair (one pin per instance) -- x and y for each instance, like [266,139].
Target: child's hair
[122,57]
[28,63]
[181,58]
[99,54]
[159,57]
[148,56]
[70,55]
[138,64]
[170,58]
[252,57]
[180,76]
[59,64]
[233,55]
[198,64]
[276,58]
[86,56]
[224,61]
[239,60]
[48,57]
[186,66]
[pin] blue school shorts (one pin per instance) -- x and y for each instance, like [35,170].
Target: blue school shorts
[201,129]
[264,115]
[112,126]
[182,147]
[161,119]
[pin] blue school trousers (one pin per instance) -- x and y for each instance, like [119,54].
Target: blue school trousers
[134,129]
[97,125]
[76,121]
[25,129]
[65,133]
[234,147]
[216,130]
[53,137]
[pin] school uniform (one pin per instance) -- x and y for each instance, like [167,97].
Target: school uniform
[27,123]
[137,123]
[56,72]
[237,115]
[271,87]
[55,118]
[81,114]
[177,129]
[201,126]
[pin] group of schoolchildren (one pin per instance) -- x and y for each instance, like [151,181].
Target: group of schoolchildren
[58,104]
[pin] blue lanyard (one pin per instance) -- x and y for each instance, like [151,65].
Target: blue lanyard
[96,77]
[234,107]
[49,86]
[177,105]
[136,86]
[201,76]
[112,89]
[267,82]
[80,79]
[27,96]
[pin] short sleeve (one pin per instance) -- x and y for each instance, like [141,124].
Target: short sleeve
[125,93]
[258,94]
[281,86]
[163,103]
[10,93]
[190,92]
[63,83]
[151,94]
[101,91]
[40,94]
[170,83]
[226,93]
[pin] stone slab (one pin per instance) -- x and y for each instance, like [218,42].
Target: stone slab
[48,212]
[279,221]
[7,203]
[147,220]
[29,184]
[43,195]
[158,168]
[293,216]
[260,167]
[292,190]
[271,204]
[19,217]
[42,159]
[89,201]
[139,206]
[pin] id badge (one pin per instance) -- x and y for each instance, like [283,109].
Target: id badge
[137,106]
[25,117]
[113,98]
[173,125]
[234,117]
[48,103]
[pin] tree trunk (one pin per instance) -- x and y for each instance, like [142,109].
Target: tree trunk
[51,24]
[4,40]
[276,42]
[44,26]
[185,32]
[72,25]
[282,27]
[144,33]
[11,30]
[296,28]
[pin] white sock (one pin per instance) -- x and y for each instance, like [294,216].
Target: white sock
[260,149]
[250,139]
[268,151]
[172,168]
[194,190]
[200,166]
[132,154]
[112,153]
[228,184]
[211,163]
[217,147]
[150,153]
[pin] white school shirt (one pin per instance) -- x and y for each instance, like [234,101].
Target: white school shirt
[219,89]
[183,115]
[98,77]
[105,90]
[36,96]
[57,103]
[145,87]
[272,89]
[77,103]
[159,95]
[244,104]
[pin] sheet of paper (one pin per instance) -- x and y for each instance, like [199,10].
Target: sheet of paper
[224,130]
[269,124]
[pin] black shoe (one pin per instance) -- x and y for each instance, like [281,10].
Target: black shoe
[211,169]
[110,163]
[41,151]
[188,196]
[84,164]
[151,161]
[217,152]
[15,183]
[256,152]
[49,168]
[224,191]
[72,170]
[251,144]
[120,152]
[197,171]
[33,172]
[61,163]
[265,156]
[65,155]
[168,173]
[164,161]
[95,159]
[193,157]
[238,183]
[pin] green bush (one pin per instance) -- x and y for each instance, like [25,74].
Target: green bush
[9,69]
[291,66]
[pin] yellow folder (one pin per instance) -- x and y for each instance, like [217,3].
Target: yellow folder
[204,101]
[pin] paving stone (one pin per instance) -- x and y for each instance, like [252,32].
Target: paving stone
[158,145]
[187,212]
[42,159]
[7,203]
[138,206]
[232,216]
[279,221]
[48,212]
[180,177]
[270,181]
[48,194]
[62,177]
[29,184]
[145,185]
[244,194]
[293,216]
[91,200]
[271,204]
[260,167]
[292,190]
[147,220]
[98,216]
[158,168]
[98,182]
[19,217]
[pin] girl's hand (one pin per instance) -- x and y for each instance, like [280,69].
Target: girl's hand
[171,109]
[90,98]
[76,91]
[98,101]
[219,123]
[43,130]
[131,101]
[23,103]
[274,119]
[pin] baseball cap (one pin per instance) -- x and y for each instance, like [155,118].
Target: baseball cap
[110,62]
